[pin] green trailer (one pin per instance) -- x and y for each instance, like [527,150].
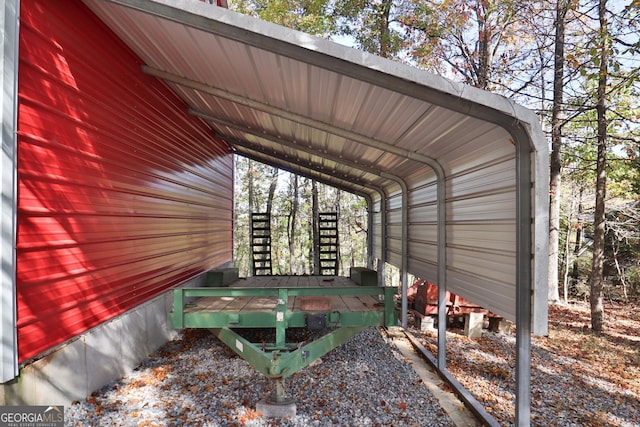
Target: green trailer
[337,308]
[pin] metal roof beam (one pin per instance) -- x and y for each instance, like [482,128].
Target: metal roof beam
[313,167]
[294,117]
[289,144]
[271,161]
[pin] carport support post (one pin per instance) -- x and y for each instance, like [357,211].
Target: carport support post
[524,290]
[442,270]
[405,252]
[9,31]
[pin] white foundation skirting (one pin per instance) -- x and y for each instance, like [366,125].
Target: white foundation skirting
[102,355]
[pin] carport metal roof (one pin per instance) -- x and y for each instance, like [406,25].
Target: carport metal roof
[456,177]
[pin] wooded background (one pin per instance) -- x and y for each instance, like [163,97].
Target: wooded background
[575,63]
[289,199]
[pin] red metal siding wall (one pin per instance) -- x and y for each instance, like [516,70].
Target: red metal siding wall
[122,195]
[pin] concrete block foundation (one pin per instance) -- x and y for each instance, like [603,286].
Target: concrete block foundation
[473,324]
[268,409]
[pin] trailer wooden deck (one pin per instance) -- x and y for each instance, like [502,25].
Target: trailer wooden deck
[295,303]
[283,302]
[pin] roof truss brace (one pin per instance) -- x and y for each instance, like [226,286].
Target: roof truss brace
[294,146]
[246,148]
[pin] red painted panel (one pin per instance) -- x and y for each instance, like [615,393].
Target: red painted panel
[122,194]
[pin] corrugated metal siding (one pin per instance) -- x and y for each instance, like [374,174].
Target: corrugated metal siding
[394,228]
[375,232]
[423,226]
[481,228]
[480,225]
[122,195]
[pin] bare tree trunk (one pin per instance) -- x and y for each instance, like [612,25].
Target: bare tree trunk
[291,229]
[568,258]
[315,229]
[623,281]
[485,57]
[579,234]
[272,189]
[597,271]
[383,27]
[556,147]
[251,210]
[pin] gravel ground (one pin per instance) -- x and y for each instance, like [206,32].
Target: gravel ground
[196,380]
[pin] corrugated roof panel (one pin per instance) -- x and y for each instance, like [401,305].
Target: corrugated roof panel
[352,96]
[437,131]
[380,114]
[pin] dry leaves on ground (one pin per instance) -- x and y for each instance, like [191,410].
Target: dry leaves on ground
[577,377]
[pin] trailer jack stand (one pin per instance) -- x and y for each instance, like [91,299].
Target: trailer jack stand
[279,395]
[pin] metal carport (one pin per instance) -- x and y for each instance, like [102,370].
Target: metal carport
[456,178]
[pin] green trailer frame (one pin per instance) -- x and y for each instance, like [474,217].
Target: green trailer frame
[274,307]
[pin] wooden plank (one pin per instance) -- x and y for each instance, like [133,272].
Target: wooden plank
[338,304]
[261,304]
[242,283]
[370,302]
[329,282]
[238,303]
[210,304]
[314,303]
[293,282]
[354,304]
[276,281]
[293,304]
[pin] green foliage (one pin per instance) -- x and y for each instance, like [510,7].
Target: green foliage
[487,44]
[310,16]
[373,25]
